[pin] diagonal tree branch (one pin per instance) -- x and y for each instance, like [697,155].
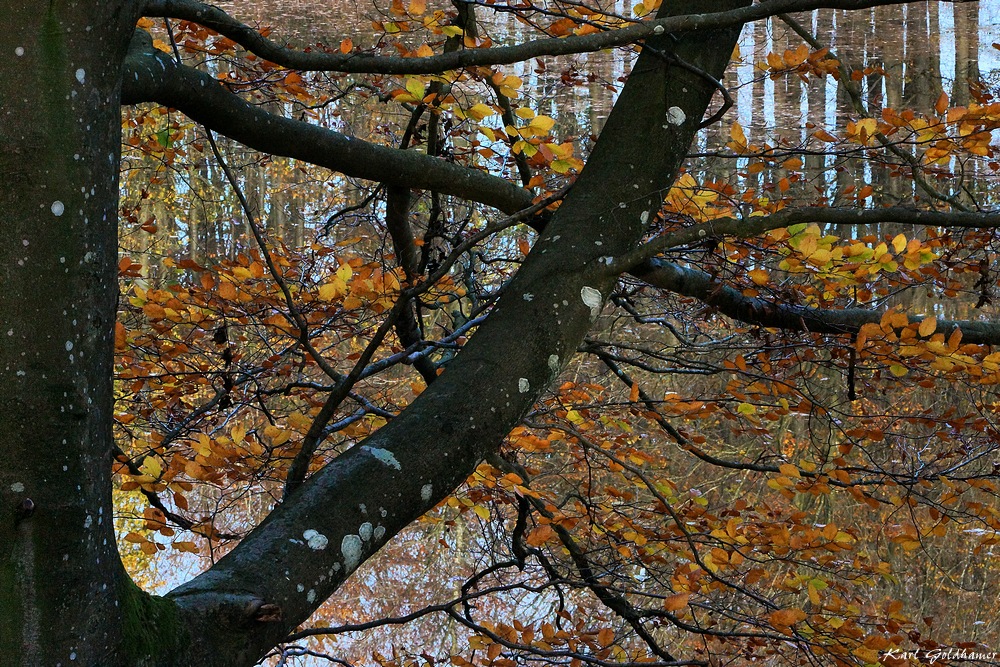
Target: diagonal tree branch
[344,513]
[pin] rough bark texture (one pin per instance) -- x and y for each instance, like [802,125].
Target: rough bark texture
[60,574]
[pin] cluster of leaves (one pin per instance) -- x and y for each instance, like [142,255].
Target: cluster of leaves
[735,494]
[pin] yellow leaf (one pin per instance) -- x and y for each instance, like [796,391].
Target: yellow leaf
[238,433]
[898,370]
[789,469]
[345,272]
[899,243]
[415,87]
[759,276]
[333,289]
[481,512]
[151,466]
[480,111]
[927,326]
[417,7]
[541,123]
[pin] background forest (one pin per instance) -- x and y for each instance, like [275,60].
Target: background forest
[692,483]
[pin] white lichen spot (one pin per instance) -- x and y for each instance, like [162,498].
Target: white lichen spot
[69,345]
[658,30]
[676,116]
[554,363]
[379,533]
[19,51]
[350,547]
[528,296]
[644,217]
[88,522]
[592,299]
[311,596]
[523,385]
[17,487]
[300,588]
[365,531]
[701,233]
[383,455]
[58,208]
[315,539]
[25,242]
[425,492]
[81,75]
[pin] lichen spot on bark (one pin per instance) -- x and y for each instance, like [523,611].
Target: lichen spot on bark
[676,116]
[315,539]
[365,531]
[592,299]
[350,547]
[383,455]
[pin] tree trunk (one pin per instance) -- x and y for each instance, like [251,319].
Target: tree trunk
[63,591]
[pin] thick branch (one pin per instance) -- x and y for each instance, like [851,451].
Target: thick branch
[152,76]
[216,19]
[753,310]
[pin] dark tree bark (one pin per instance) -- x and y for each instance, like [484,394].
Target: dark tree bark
[64,596]
[63,591]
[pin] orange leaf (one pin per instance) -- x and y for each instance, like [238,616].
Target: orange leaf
[154,311]
[786,617]
[538,536]
[942,103]
[677,601]
[227,290]
[346,45]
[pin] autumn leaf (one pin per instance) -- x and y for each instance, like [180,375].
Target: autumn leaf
[676,601]
[784,618]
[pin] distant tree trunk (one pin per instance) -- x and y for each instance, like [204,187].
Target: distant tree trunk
[64,598]
[966,51]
